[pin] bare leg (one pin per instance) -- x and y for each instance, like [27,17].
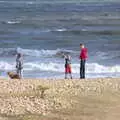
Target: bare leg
[70,75]
[17,71]
[65,75]
[21,73]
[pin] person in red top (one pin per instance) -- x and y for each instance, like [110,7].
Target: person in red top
[83,57]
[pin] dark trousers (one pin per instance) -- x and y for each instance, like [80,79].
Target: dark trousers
[82,69]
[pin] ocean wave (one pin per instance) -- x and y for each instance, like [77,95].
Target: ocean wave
[48,31]
[5,66]
[96,32]
[34,52]
[11,22]
[56,1]
[58,67]
[37,53]
[47,53]
[109,30]
[93,68]
[60,30]
[106,55]
[8,51]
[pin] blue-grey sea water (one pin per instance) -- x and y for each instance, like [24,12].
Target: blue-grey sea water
[42,30]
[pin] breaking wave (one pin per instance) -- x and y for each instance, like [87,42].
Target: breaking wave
[59,67]
[10,52]
[33,52]
[39,53]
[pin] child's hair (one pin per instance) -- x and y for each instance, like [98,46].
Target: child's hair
[81,44]
[19,55]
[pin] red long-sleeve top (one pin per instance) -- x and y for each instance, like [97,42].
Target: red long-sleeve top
[84,54]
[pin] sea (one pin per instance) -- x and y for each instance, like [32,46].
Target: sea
[43,30]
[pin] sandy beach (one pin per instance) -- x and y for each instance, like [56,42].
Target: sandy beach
[53,99]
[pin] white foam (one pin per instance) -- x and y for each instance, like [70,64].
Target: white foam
[34,52]
[61,30]
[13,22]
[96,68]
[91,69]
[58,67]
[84,29]
[5,66]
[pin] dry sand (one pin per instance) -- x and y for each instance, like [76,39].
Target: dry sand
[33,99]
